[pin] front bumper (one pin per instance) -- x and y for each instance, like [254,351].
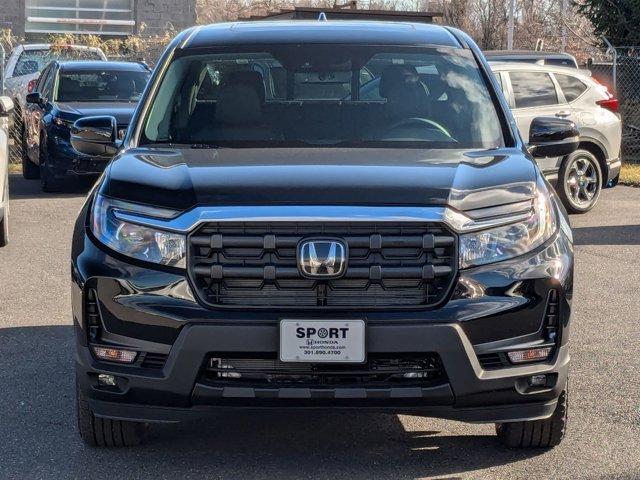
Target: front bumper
[492,308]
[64,160]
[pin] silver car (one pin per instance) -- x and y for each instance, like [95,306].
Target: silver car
[535,91]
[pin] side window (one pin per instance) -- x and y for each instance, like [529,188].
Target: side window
[45,90]
[42,79]
[571,86]
[533,89]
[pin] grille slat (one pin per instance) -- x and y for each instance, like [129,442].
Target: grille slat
[390,265]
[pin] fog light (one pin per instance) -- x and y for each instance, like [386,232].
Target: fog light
[537,380]
[107,380]
[114,354]
[531,355]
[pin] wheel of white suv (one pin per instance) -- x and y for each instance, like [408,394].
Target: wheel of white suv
[102,432]
[580,181]
[546,433]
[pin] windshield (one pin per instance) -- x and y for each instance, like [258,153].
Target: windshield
[100,86]
[324,95]
[33,61]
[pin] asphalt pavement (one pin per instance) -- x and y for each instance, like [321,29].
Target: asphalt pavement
[38,436]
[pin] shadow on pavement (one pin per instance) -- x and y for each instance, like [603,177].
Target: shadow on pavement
[607,235]
[38,425]
[19,188]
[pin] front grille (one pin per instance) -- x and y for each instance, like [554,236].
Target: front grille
[417,369]
[254,265]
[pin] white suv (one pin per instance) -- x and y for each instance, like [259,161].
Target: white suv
[535,91]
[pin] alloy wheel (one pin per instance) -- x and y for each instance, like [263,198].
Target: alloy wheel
[582,182]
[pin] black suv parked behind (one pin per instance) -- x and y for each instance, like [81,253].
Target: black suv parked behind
[276,233]
[65,92]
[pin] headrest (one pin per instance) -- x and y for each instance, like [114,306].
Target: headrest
[248,78]
[238,105]
[395,76]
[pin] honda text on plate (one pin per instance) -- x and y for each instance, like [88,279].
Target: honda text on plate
[268,237]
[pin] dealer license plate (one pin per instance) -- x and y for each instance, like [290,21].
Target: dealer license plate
[320,341]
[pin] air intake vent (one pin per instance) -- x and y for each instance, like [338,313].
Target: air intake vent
[493,361]
[92,315]
[154,360]
[551,315]
[390,265]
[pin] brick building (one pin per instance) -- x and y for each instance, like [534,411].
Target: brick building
[36,19]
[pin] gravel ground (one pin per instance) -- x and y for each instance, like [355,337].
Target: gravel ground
[37,419]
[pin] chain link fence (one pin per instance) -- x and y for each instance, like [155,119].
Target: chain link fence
[619,69]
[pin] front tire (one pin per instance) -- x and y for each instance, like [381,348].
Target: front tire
[580,181]
[546,433]
[48,182]
[102,432]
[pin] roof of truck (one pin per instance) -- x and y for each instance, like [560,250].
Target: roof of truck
[338,31]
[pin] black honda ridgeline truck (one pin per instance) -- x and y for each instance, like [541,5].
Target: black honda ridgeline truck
[320,214]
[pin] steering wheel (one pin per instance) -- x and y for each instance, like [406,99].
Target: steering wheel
[424,122]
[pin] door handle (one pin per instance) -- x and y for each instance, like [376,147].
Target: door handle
[563,113]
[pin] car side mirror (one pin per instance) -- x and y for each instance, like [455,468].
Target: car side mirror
[552,137]
[6,106]
[34,98]
[95,136]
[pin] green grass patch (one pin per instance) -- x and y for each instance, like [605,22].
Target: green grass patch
[630,174]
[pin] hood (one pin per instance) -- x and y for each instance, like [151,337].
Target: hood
[121,111]
[181,179]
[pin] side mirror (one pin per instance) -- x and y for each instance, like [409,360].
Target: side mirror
[34,98]
[553,137]
[95,136]
[6,106]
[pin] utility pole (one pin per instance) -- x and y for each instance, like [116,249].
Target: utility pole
[511,26]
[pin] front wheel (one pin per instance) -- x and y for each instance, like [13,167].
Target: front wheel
[102,432]
[580,181]
[48,181]
[547,433]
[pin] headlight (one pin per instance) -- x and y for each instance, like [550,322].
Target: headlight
[137,241]
[510,240]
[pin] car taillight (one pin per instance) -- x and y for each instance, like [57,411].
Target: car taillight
[31,86]
[609,104]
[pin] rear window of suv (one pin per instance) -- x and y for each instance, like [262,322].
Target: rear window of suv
[571,86]
[324,95]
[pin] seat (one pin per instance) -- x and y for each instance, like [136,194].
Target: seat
[239,115]
[406,95]
[69,91]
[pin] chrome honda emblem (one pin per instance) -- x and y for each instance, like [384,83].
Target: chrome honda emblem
[322,258]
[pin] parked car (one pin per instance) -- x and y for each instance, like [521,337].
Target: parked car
[65,92]
[6,110]
[552,59]
[24,64]
[559,92]
[294,249]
